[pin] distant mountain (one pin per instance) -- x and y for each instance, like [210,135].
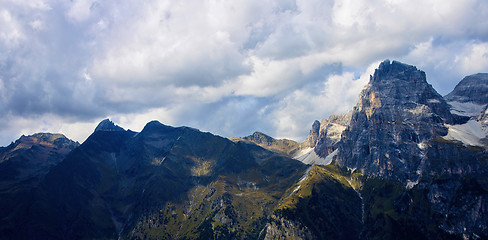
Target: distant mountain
[27,160]
[470,98]
[23,164]
[284,146]
[404,163]
[471,89]
[163,182]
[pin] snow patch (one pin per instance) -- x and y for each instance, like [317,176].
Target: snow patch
[411,184]
[469,133]
[308,156]
[466,109]
[360,196]
[330,157]
[305,174]
[422,145]
[351,169]
[296,189]
[304,177]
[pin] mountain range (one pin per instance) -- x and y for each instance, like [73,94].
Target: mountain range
[404,163]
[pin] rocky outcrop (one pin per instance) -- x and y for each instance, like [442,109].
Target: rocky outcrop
[313,136]
[330,133]
[261,138]
[483,121]
[282,229]
[470,99]
[321,144]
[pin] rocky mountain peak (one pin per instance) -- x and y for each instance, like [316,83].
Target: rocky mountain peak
[52,140]
[24,162]
[397,113]
[473,88]
[107,125]
[153,125]
[399,87]
[313,136]
[397,70]
[48,137]
[260,138]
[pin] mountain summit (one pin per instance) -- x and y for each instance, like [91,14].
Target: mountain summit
[107,125]
[473,88]
[397,114]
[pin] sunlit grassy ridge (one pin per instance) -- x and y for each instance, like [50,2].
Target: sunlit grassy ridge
[234,188]
[324,202]
[227,208]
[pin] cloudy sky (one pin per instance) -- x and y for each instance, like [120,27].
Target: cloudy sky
[229,67]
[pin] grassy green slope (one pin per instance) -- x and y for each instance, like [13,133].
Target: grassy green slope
[324,202]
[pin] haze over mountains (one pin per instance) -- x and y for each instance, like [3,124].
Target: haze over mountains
[404,163]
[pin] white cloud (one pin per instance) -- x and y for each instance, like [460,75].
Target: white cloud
[162,45]
[474,58]
[136,122]
[447,63]
[210,64]
[16,126]
[3,91]
[37,24]
[30,4]
[339,93]
[80,10]
[268,77]
[10,29]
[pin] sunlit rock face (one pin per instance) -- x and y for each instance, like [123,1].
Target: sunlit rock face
[325,135]
[397,114]
[403,130]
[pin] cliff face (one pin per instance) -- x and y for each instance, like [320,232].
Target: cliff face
[398,113]
[422,159]
[403,130]
[330,133]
